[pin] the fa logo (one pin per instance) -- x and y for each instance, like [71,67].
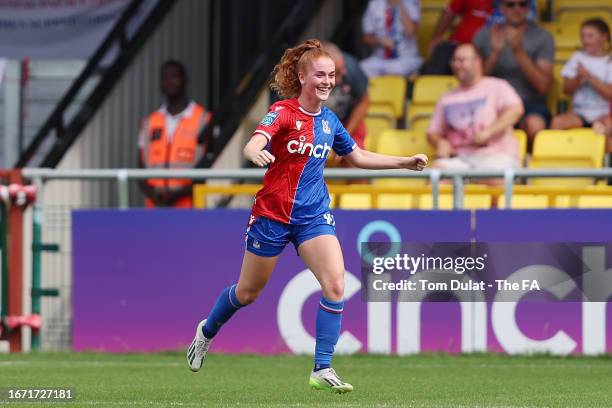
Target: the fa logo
[326,128]
[329,219]
[256,244]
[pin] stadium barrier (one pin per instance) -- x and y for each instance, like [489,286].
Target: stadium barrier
[40,175]
[53,222]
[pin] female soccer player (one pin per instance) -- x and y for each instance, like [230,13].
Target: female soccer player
[294,140]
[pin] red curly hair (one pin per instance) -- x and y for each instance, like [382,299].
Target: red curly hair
[285,74]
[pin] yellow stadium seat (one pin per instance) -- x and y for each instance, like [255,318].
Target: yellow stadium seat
[397,201]
[427,91]
[355,201]
[571,16]
[420,124]
[384,111]
[572,10]
[560,97]
[388,90]
[427,24]
[542,6]
[524,201]
[591,201]
[566,35]
[566,201]
[429,88]
[434,4]
[419,112]
[471,201]
[521,137]
[375,125]
[567,149]
[401,142]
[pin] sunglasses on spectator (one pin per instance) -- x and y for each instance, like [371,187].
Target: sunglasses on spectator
[515,4]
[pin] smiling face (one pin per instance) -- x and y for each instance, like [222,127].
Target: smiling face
[593,40]
[318,79]
[466,64]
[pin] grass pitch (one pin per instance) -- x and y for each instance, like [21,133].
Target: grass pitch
[163,380]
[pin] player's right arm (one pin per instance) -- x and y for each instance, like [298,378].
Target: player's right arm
[255,151]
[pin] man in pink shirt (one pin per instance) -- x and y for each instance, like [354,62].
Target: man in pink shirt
[472,125]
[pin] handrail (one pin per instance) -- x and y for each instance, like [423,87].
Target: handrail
[200,191]
[66,133]
[39,175]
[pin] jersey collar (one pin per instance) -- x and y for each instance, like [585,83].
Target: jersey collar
[309,113]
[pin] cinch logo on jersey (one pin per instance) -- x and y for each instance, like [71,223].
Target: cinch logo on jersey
[320,151]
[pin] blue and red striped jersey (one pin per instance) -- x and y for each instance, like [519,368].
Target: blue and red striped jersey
[294,191]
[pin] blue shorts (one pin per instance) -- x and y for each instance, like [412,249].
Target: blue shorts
[537,109]
[266,237]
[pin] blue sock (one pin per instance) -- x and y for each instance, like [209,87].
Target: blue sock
[227,304]
[329,321]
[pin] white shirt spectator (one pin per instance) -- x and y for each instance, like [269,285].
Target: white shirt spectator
[382,20]
[586,102]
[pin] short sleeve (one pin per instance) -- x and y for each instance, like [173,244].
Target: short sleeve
[505,95]
[546,51]
[456,6]
[271,123]
[414,9]
[343,142]
[437,124]
[570,69]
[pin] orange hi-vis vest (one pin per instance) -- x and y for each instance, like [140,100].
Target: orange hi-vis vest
[182,151]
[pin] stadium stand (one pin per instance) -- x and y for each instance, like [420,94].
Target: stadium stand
[427,90]
[580,148]
[569,10]
[387,96]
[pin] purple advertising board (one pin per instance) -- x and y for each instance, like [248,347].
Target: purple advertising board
[143,279]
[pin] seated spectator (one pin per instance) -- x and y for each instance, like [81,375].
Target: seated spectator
[588,77]
[169,138]
[349,98]
[390,27]
[497,17]
[471,127]
[522,53]
[472,14]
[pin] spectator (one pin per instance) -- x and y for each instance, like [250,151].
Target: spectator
[390,27]
[471,127]
[472,14]
[498,18]
[170,138]
[349,98]
[522,53]
[588,77]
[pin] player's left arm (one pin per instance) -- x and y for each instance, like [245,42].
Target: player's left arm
[365,159]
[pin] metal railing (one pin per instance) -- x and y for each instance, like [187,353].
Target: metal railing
[39,176]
